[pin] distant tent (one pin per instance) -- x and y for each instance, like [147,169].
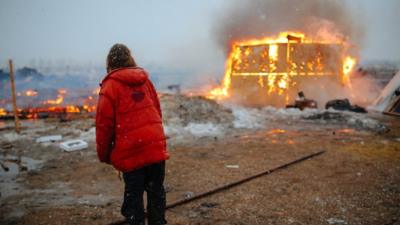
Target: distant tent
[394,108]
[388,101]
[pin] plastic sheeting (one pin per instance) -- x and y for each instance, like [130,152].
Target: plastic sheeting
[387,97]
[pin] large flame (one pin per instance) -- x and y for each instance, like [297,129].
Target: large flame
[277,81]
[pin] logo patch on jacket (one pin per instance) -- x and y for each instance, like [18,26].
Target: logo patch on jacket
[138,96]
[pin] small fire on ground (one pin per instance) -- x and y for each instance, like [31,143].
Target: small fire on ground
[35,107]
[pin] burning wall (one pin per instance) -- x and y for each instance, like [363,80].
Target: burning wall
[272,70]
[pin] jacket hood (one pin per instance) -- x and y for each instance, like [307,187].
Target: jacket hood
[132,76]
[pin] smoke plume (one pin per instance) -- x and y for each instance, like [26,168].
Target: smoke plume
[259,18]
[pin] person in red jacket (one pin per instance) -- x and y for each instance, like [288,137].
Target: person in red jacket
[130,136]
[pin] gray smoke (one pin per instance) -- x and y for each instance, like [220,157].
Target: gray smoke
[259,18]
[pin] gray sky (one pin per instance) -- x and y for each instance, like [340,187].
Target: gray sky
[174,32]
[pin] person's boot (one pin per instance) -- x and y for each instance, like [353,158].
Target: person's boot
[135,221]
[158,222]
[156,210]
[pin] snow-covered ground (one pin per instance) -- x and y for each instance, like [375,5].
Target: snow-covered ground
[200,117]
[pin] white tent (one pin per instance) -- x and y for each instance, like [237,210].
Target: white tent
[387,100]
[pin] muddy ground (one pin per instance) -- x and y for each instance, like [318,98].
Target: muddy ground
[357,180]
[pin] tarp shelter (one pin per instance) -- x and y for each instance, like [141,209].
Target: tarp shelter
[388,101]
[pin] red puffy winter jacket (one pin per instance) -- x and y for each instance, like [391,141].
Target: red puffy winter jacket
[129,131]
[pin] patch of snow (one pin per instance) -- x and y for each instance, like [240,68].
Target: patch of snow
[89,135]
[232,166]
[14,164]
[247,118]
[51,138]
[356,120]
[171,130]
[11,167]
[253,118]
[364,122]
[289,113]
[336,221]
[11,136]
[204,129]
[31,164]
[193,129]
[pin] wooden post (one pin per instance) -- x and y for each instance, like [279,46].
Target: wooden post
[14,97]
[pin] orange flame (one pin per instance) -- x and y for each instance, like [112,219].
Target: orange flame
[72,109]
[60,98]
[56,101]
[3,112]
[31,93]
[348,67]
[57,106]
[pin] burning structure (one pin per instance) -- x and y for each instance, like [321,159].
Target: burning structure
[44,102]
[36,107]
[270,71]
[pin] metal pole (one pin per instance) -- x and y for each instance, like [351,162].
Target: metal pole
[14,97]
[233,184]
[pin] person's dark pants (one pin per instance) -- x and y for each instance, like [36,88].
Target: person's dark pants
[150,179]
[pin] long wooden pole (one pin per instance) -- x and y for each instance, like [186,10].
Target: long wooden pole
[14,97]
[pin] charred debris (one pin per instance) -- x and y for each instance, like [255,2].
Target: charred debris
[302,103]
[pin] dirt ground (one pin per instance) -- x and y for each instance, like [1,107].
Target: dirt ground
[356,181]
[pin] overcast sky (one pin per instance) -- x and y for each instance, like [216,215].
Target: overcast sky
[173,32]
